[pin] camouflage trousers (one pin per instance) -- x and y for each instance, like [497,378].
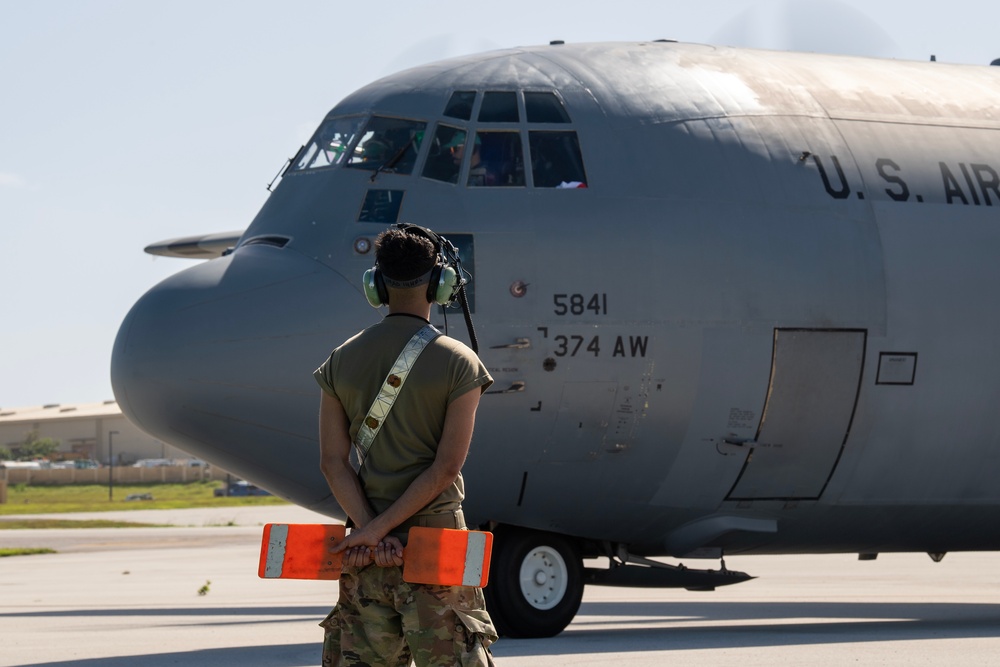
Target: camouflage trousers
[381,620]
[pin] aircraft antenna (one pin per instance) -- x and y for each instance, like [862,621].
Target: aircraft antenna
[464,300]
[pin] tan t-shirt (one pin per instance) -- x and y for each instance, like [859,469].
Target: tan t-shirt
[408,440]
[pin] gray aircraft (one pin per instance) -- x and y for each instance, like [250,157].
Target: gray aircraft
[734,301]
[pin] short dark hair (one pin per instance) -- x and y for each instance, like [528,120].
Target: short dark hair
[404,256]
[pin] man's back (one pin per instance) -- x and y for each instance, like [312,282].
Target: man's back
[407,442]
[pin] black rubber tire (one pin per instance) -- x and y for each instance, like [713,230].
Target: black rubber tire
[536,582]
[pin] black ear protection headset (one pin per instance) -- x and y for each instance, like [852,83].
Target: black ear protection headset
[445,278]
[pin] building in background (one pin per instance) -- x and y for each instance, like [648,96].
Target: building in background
[85,431]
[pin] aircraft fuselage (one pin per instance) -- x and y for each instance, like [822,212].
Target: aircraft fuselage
[766,324]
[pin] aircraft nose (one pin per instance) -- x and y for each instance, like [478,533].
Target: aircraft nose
[218,359]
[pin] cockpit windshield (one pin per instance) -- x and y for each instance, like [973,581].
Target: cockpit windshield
[519,139]
[388,145]
[330,143]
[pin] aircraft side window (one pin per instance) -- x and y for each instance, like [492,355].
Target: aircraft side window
[460,104]
[389,145]
[556,161]
[544,107]
[329,145]
[497,160]
[381,206]
[499,107]
[444,160]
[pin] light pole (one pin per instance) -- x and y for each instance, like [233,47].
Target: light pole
[111,465]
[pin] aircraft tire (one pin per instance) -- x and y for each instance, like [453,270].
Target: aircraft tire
[536,582]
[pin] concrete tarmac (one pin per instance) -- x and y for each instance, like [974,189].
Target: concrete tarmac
[189,595]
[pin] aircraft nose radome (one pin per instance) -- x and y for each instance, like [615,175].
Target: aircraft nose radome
[218,359]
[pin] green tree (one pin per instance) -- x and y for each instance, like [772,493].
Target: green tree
[5,453]
[34,447]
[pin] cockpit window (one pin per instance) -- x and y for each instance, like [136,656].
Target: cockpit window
[389,145]
[497,159]
[444,160]
[330,143]
[544,108]
[499,107]
[460,104]
[556,161]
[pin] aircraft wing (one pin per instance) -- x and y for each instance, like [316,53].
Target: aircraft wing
[202,246]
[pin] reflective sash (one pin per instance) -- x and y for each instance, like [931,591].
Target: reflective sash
[382,404]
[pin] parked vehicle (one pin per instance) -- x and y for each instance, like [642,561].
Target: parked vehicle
[241,488]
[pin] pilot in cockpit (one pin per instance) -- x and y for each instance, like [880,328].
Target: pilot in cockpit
[479,173]
[374,151]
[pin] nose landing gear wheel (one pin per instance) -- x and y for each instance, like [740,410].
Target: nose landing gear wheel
[536,582]
[543,577]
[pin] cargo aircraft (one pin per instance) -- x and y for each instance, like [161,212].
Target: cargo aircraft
[734,301]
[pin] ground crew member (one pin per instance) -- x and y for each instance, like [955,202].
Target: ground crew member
[410,475]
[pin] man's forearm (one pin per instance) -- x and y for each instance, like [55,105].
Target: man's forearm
[335,461]
[430,484]
[346,488]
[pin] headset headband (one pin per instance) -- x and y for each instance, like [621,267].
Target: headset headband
[446,250]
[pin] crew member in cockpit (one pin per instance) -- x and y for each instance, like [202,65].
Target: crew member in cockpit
[479,173]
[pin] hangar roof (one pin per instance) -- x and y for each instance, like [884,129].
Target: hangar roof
[59,411]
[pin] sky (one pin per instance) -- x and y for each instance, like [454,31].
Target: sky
[123,123]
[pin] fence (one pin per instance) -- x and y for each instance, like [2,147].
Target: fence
[119,475]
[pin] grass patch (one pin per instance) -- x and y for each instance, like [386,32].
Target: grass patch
[22,524]
[38,499]
[24,552]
